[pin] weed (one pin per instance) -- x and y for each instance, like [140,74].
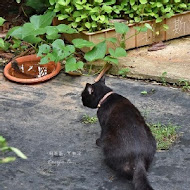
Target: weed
[165,135]
[86,119]
[185,84]
[163,78]
[144,92]
[4,148]
[123,72]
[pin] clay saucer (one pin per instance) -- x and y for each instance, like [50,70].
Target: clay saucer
[27,70]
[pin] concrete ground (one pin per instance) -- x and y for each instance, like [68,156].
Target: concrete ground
[144,64]
[44,121]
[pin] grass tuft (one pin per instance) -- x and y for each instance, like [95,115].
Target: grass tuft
[86,119]
[165,135]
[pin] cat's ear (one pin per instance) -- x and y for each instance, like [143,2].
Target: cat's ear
[89,88]
[102,80]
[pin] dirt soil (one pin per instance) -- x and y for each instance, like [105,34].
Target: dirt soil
[44,121]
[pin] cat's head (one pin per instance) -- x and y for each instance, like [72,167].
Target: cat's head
[93,93]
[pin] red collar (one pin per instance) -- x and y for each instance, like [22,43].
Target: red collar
[104,98]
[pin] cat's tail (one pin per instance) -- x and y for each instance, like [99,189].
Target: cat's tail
[140,179]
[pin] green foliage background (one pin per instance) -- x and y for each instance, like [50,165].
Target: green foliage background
[95,15]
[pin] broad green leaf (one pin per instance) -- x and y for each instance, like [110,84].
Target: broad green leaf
[120,52]
[43,49]
[16,32]
[53,36]
[63,28]
[70,64]
[32,39]
[41,21]
[121,28]
[44,60]
[113,40]
[80,43]
[27,30]
[58,44]
[80,65]
[18,152]
[111,60]
[98,52]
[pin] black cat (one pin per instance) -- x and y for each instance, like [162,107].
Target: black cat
[127,141]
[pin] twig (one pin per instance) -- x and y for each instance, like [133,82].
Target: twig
[105,69]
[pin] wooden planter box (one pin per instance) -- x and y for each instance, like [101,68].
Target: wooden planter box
[179,25]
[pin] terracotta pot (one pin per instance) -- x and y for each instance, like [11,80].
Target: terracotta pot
[29,71]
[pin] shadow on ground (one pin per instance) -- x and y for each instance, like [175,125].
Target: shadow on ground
[44,121]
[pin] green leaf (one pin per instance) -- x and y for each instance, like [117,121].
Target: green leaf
[43,49]
[3,142]
[98,52]
[63,28]
[7,160]
[70,64]
[58,44]
[44,60]
[159,19]
[80,43]
[18,153]
[120,52]
[143,1]
[121,28]
[17,43]
[2,44]
[2,20]
[16,32]
[132,2]
[52,2]
[147,25]
[80,65]
[113,40]
[88,25]
[107,9]
[41,21]
[32,39]
[111,60]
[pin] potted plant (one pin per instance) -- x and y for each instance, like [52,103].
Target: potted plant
[92,19]
[40,36]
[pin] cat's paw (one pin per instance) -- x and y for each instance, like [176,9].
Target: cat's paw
[99,142]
